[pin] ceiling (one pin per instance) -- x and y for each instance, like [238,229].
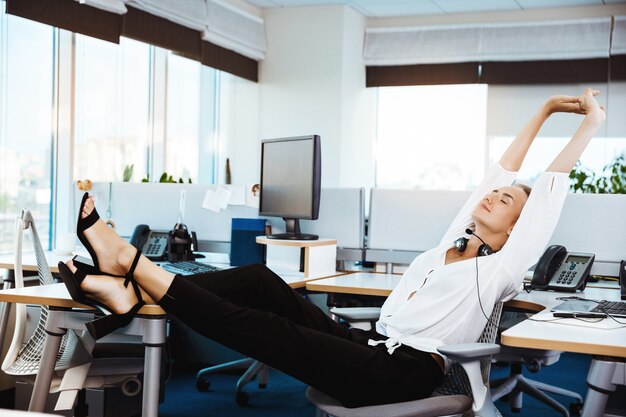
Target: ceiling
[397,8]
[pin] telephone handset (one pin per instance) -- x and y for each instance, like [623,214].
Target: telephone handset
[560,270]
[153,243]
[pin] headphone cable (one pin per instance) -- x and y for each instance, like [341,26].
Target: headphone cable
[480,303]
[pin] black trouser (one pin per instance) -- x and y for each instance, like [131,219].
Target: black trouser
[252,310]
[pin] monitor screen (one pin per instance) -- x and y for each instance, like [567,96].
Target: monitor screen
[290,179]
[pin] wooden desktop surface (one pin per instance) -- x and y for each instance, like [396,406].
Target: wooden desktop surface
[572,337]
[362,283]
[56,295]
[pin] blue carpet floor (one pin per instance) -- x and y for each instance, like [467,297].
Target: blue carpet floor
[284,395]
[570,372]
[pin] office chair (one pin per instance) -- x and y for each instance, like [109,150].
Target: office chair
[254,369]
[516,384]
[76,367]
[464,390]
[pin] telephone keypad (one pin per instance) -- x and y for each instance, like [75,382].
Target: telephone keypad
[570,271]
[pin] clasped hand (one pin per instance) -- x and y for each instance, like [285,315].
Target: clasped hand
[585,104]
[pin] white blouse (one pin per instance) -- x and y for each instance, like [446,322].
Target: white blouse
[444,309]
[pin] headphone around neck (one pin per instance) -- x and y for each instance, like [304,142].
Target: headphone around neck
[461,244]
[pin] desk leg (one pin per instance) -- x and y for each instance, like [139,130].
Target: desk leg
[153,340]
[48,360]
[600,383]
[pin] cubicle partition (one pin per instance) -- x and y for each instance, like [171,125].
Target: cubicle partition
[157,205]
[341,215]
[594,223]
[404,223]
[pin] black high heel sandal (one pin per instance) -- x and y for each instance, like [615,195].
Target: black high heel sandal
[102,326]
[81,225]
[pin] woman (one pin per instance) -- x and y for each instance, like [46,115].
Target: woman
[441,299]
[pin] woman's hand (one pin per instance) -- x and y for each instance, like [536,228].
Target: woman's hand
[590,107]
[564,104]
[585,104]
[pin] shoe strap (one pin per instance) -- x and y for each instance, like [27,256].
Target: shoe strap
[130,275]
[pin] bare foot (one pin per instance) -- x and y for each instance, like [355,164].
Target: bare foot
[108,290]
[114,253]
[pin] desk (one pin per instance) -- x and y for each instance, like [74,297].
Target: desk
[150,324]
[361,283]
[530,334]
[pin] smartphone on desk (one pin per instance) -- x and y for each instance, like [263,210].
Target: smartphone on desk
[560,270]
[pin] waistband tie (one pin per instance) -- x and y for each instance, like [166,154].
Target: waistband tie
[391,344]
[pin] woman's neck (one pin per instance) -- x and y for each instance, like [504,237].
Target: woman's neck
[494,240]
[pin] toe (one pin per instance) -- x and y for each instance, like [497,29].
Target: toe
[88,207]
[70,265]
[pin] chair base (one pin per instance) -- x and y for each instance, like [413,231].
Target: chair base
[255,369]
[516,385]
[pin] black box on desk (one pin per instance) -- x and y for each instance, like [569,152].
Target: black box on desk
[243,247]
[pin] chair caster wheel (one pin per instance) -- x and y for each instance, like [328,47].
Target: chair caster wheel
[242,399]
[575,408]
[202,385]
[262,386]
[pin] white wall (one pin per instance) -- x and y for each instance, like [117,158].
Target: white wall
[313,81]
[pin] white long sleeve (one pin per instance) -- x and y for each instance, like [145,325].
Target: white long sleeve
[445,309]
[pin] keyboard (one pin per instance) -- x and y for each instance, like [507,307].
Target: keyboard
[189,267]
[611,308]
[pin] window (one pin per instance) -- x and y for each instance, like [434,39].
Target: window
[191,100]
[600,152]
[112,109]
[26,91]
[431,137]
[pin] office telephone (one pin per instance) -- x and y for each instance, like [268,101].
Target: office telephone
[153,243]
[560,270]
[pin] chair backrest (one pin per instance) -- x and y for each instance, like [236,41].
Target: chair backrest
[456,381]
[23,359]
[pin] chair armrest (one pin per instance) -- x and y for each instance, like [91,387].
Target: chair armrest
[469,356]
[356,313]
[468,352]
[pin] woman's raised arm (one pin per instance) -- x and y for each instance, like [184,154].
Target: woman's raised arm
[513,157]
[594,117]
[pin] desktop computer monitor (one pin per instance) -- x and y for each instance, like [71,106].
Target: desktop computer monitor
[290,182]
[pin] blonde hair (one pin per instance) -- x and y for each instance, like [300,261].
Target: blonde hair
[524,187]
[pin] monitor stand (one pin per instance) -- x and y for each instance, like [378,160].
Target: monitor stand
[293,232]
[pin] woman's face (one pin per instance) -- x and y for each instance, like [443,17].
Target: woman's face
[500,209]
